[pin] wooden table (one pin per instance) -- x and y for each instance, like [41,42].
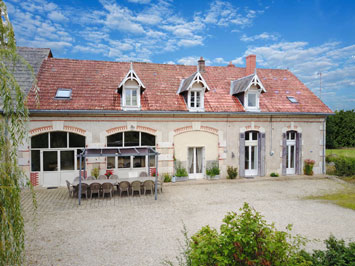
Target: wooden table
[114,181]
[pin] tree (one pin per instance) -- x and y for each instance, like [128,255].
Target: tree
[13,117]
[341,129]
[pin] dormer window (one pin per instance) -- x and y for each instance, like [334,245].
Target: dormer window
[63,93]
[193,89]
[252,99]
[131,88]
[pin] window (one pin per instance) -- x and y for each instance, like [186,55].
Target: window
[63,93]
[130,139]
[131,97]
[195,100]
[292,99]
[251,99]
[56,151]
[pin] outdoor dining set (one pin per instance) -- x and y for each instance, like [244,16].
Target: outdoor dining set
[104,185]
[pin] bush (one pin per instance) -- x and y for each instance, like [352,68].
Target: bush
[212,171]
[179,170]
[308,167]
[274,174]
[167,177]
[244,239]
[232,172]
[95,172]
[336,253]
[344,166]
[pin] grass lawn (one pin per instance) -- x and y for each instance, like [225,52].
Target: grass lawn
[345,198]
[349,152]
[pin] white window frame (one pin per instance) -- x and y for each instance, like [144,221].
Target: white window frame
[202,100]
[255,108]
[124,96]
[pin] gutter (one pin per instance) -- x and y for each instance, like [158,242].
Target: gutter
[116,112]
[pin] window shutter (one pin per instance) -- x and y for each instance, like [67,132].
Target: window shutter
[284,152]
[261,154]
[242,155]
[299,153]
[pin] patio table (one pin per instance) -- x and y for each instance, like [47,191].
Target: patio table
[114,181]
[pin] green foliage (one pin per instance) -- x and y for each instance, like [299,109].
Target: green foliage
[95,172]
[244,239]
[308,167]
[274,174]
[337,253]
[341,129]
[212,171]
[232,172]
[347,152]
[179,170]
[167,177]
[13,117]
[344,166]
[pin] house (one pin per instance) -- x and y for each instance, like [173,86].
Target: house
[258,120]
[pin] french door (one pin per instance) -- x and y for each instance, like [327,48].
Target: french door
[251,153]
[195,162]
[291,153]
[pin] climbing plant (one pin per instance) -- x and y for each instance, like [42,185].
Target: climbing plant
[13,117]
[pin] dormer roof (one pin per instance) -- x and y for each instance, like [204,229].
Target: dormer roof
[187,83]
[131,75]
[244,83]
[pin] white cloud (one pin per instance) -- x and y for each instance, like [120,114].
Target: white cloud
[188,60]
[139,1]
[220,60]
[261,36]
[188,43]
[57,16]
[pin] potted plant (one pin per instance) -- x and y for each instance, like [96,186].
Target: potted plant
[180,173]
[308,166]
[108,173]
[95,172]
[212,172]
[232,172]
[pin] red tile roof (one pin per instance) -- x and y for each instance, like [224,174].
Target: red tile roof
[94,87]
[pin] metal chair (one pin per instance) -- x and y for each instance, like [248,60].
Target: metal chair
[136,186]
[148,185]
[95,189]
[123,186]
[107,188]
[114,177]
[70,189]
[102,177]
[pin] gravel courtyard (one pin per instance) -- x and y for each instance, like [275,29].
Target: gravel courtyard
[142,231]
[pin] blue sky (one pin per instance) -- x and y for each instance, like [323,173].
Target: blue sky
[307,37]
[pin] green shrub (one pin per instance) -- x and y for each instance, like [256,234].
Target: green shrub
[232,172]
[308,167]
[212,171]
[336,253]
[167,177]
[179,170]
[95,172]
[274,174]
[344,166]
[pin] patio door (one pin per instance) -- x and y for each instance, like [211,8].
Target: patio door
[251,153]
[195,162]
[291,153]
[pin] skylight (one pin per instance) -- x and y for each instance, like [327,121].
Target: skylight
[63,93]
[292,99]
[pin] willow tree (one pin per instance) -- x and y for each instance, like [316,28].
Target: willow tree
[13,117]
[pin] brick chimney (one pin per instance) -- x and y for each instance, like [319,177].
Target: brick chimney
[201,65]
[250,64]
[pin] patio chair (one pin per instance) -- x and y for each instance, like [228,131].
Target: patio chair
[84,190]
[102,177]
[95,189]
[160,183]
[115,177]
[143,174]
[76,179]
[91,178]
[107,188]
[123,186]
[136,186]
[70,189]
[148,185]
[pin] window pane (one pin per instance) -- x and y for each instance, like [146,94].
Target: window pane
[255,135]
[247,135]
[254,157]
[67,160]
[128,97]
[35,161]
[198,99]
[192,101]
[76,140]
[138,161]
[78,159]
[50,161]
[292,156]
[124,162]
[58,139]
[131,138]
[110,162]
[40,141]
[115,140]
[147,139]
[247,157]
[151,161]
[251,99]
[134,97]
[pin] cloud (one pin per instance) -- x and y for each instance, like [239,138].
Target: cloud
[191,60]
[262,36]
[139,1]
[57,16]
[188,43]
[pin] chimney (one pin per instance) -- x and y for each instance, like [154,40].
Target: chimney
[250,64]
[201,65]
[230,64]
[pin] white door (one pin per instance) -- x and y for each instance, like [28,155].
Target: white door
[51,175]
[291,153]
[195,161]
[251,153]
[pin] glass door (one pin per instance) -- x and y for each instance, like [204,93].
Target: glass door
[291,153]
[251,153]
[195,162]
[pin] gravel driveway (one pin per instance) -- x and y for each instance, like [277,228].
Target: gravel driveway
[142,231]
